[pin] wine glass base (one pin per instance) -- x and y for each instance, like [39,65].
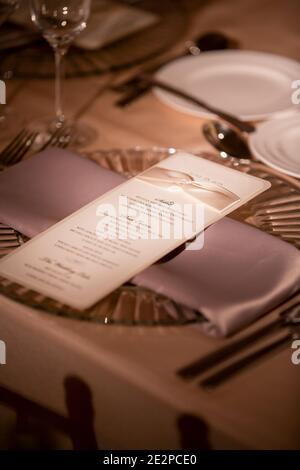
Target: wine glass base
[69,133]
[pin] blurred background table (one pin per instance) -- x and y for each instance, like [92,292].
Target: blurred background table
[264,26]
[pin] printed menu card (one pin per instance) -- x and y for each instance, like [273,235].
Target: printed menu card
[93,251]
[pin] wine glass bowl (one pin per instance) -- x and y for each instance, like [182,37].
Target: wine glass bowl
[60,21]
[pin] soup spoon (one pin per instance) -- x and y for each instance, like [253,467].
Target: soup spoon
[233,144]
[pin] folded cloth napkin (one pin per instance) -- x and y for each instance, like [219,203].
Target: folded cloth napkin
[240,274]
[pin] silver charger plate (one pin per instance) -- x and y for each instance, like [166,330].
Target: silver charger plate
[133,305]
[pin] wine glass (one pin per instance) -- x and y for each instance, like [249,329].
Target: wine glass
[60,22]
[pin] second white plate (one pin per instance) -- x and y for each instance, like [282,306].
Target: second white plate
[251,85]
[277,143]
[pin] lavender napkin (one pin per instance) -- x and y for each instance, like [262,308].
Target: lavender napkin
[239,275]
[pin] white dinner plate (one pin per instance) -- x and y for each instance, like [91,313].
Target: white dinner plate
[251,85]
[277,143]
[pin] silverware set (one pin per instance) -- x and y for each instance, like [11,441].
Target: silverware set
[15,151]
[220,365]
[25,141]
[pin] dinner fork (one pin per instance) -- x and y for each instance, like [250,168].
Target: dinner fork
[17,148]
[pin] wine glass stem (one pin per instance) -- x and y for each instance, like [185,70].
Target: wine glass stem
[58,85]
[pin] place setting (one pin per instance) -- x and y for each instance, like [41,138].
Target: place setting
[253,86]
[151,243]
[242,88]
[226,79]
[249,71]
